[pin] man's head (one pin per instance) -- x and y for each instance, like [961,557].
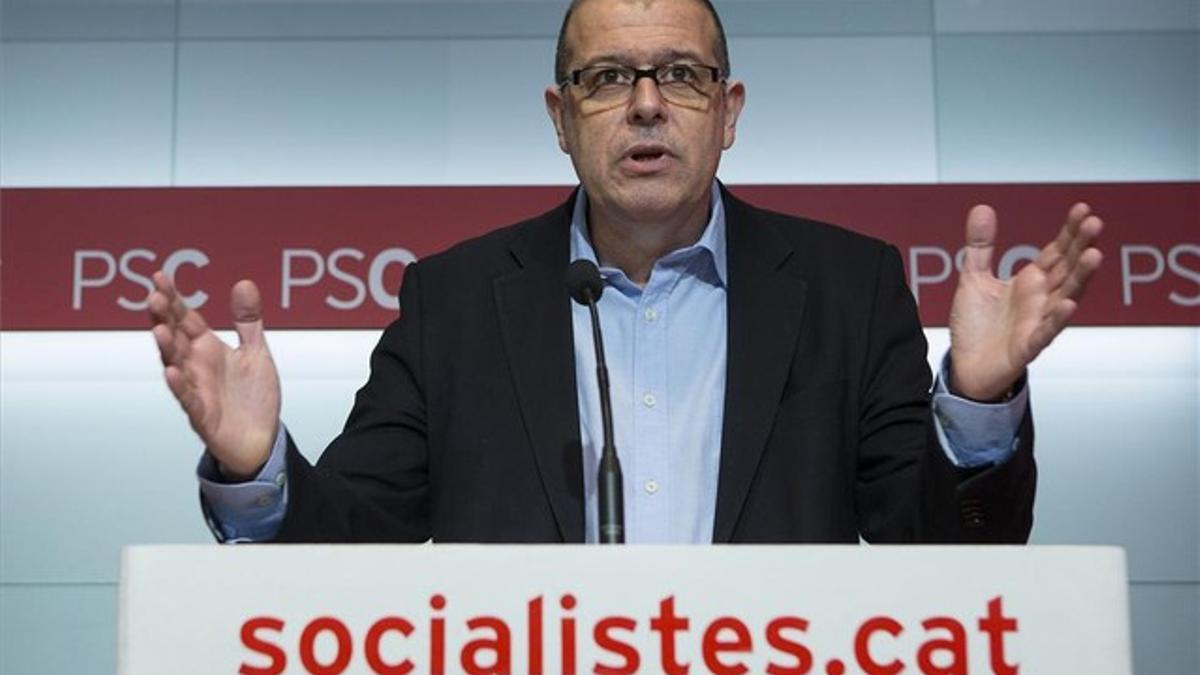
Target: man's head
[649,151]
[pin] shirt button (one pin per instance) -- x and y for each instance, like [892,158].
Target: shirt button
[651,486]
[649,400]
[264,501]
[651,315]
[280,478]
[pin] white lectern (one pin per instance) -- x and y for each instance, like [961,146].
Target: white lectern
[585,609]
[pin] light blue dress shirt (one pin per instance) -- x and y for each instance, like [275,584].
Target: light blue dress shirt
[665,345]
[666,350]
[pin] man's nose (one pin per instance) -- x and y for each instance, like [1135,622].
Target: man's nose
[646,105]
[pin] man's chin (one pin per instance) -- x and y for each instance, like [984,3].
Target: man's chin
[653,200]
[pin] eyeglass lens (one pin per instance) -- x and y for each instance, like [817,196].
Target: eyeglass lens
[685,85]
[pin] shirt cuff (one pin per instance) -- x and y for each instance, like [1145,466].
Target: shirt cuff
[250,511]
[974,434]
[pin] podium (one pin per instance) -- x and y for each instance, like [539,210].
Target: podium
[584,609]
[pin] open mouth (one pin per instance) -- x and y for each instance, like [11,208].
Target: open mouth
[647,155]
[647,159]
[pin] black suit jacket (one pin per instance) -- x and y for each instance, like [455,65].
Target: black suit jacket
[468,431]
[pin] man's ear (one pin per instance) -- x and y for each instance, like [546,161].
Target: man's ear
[554,108]
[735,98]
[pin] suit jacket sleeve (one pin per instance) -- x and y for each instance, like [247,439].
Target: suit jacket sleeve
[899,449]
[371,484]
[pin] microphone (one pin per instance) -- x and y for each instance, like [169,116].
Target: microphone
[586,286]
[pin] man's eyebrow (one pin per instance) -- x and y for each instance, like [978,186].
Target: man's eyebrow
[660,58]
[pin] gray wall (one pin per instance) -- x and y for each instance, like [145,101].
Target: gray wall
[94,455]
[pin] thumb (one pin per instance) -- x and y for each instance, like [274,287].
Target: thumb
[981,239]
[245,303]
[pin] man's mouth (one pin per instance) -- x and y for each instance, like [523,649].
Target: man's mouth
[647,155]
[646,159]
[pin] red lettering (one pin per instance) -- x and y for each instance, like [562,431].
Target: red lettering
[254,643]
[567,632]
[862,646]
[779,641]
[500,644]
[534,614]
[713,645]
[666,624]
[995,624]
[955,646]
[371,648]
[602,634]
[344,646]
[437,637]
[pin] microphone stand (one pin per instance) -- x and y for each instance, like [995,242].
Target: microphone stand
[612,505]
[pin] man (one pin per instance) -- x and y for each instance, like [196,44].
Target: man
[769,372]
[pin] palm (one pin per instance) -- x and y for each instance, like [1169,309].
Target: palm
[231,396]
[239,414]
[997,328]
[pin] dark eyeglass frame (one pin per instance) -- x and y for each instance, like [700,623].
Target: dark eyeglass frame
[638,73]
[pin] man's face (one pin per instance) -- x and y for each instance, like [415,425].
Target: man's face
[648,158]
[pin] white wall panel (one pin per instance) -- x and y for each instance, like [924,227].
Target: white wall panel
[834,110]
[1067,107]
[311,113]
[97,455]
[326,19]
[825,17]
[496,114]
[453,19]
[87,19]
[58,630]
[89,114]
[1164,620]
[1033,16]
[1117,422]
[87,467]
[1118,459]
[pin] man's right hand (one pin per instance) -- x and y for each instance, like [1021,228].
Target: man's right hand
[231,396]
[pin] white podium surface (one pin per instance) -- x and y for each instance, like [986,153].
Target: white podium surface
[559,609]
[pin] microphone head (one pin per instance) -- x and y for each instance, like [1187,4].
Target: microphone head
[584,281]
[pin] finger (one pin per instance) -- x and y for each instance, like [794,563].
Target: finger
[1089,229]
[1053,252]
[1076,283]
[1051,325]
[245,303]
[981,239]
[160,309]
[188,399]
[166,286]
[173,345]
[185,318]
[164,337]
[1066,273]
[177,312]
[190,321]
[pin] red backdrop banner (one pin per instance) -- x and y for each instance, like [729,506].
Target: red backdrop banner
[78,259]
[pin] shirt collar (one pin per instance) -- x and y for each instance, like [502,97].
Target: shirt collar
[711,242]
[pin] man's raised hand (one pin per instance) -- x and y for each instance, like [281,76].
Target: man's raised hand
[997,328]
[231,396]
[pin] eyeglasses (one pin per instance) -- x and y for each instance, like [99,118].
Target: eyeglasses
[689,85]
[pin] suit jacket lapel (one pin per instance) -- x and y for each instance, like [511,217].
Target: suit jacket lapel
[765,308]
[535,320]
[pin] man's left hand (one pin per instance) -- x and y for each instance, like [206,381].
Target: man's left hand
[997,328]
